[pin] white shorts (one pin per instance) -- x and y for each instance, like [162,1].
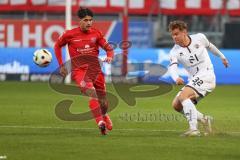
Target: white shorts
[202,84]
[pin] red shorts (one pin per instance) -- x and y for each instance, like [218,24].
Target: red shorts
[86,81]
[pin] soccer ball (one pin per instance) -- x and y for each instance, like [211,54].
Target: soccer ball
[42,57]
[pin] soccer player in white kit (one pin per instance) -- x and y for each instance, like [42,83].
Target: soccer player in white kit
[191,52]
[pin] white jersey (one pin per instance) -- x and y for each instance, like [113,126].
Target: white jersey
[193,57]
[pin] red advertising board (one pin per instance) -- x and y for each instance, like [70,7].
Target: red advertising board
[36,33]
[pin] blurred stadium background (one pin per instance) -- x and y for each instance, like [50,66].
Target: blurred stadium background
[30,24]
[29,128]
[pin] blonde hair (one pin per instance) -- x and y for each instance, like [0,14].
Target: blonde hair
[181,25]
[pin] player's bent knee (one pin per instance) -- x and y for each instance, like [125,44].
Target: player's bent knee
[177,106]
[182,97]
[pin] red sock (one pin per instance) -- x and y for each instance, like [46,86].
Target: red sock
[96,110]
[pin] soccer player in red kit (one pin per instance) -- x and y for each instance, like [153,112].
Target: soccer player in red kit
[83,45]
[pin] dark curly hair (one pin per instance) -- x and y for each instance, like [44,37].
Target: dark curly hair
[83,12]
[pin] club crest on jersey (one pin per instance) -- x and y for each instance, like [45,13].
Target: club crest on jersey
[93,39]
[196,46]
[181,54]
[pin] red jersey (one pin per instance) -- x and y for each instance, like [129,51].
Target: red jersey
[83,48]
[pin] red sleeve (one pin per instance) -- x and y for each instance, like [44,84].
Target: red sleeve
[105,45]
[62,41]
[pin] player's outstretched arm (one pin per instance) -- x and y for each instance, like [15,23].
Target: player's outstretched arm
[214,49]
[218,53]
[58,53]
[107,47]
[173,72]
[62,41]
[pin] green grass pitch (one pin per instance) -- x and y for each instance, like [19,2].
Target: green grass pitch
[30,129]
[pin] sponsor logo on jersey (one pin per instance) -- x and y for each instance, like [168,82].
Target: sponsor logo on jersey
[77,40]
[87,46]
[93,39]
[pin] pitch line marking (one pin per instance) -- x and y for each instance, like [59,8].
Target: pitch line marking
[117,129]
[70,128]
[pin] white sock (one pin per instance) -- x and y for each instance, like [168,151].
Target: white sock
[190,112]
[199,116]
